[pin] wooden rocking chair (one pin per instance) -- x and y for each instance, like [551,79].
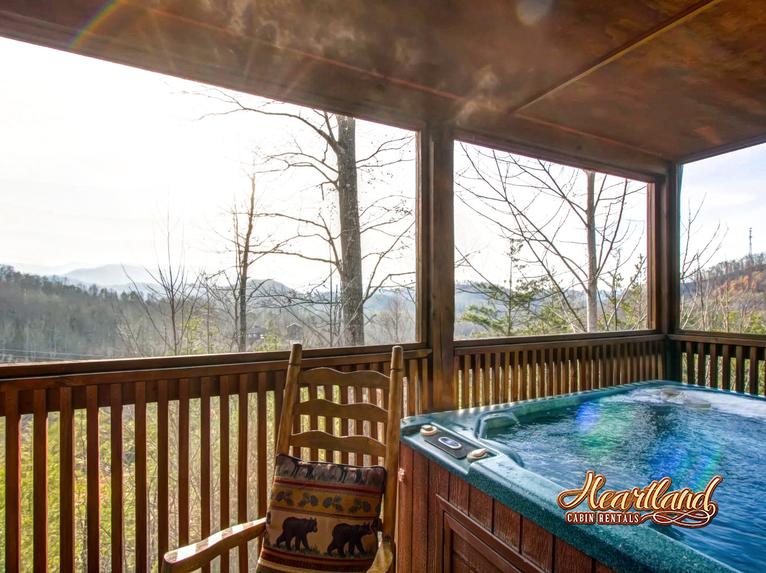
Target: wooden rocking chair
[196,555]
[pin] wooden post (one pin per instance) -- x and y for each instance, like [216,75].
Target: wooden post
[665,276]
[392,441]
[437,172]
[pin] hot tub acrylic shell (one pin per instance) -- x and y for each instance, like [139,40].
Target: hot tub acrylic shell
[623,548]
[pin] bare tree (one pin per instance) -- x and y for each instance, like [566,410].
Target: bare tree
[696,288]
[169,301]
[246,246]
[327,149]
[570,236]
[395,320]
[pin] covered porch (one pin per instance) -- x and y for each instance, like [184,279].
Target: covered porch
[630,89]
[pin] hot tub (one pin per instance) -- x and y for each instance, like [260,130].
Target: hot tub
[631,434]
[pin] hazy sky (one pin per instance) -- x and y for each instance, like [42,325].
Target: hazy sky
[732,189]
[94,158]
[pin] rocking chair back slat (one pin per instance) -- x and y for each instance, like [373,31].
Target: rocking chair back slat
[319,440]
[324,376]
[329,409]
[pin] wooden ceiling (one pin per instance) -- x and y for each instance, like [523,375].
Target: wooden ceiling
[631,85]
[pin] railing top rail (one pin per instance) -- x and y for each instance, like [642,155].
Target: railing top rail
[569,341]
[724,338]
[125,370]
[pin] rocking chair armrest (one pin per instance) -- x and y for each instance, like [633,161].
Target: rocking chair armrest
[194,556]
[384,558]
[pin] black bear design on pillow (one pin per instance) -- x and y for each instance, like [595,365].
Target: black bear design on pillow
[298,529]
[345,534]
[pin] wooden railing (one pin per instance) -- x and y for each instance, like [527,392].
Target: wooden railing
[728,362]
[109,464]
[494,374]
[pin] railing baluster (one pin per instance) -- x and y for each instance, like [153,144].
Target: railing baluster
[162,468]
[713,365]
[261,443]
[473,381]
[40,482]
[242,419]
[701,364]
[223,419]
[279,393]
[564,371]
[739,369]
[183,461]
[523,389]
[505,386]
[457,384]
[574,371]
[478,376]
[555,370]
[601,372]
[408,386]
[205,460]
[484,364]
[92,472]
[12,481]
[468,399]
[538,357]
[726,368]
[752,379]
[66,481]
[422,388]
[142,548]
[501,360]
[625,377]
[762,382]
[116,447]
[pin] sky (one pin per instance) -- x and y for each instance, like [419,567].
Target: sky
[97,160]
[479,237]
[732,191]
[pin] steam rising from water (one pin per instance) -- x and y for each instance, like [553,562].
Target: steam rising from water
[530,12]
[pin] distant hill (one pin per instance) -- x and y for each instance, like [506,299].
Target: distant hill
[112,276]
[747,274]
[115,277]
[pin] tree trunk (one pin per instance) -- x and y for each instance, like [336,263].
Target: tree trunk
[592,291]
[242,312]
[350,236]
[244,268]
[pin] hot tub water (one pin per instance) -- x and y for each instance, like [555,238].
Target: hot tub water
[649,433]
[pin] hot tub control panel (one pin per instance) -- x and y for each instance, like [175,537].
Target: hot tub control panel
[451,444]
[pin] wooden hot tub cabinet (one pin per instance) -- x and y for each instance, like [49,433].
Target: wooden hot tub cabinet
[446,525]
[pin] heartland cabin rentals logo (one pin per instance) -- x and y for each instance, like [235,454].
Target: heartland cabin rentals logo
[655,502]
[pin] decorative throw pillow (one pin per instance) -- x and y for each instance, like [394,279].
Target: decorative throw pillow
[322,517]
